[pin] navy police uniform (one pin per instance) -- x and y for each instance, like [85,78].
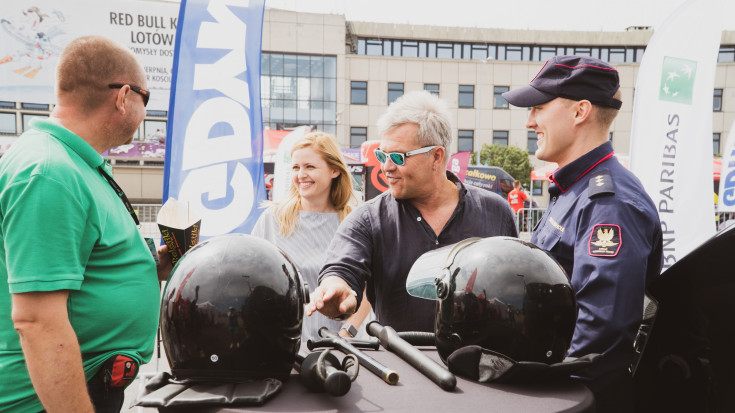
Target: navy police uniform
[604,230]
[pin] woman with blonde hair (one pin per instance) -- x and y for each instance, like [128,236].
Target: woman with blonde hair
[303,224]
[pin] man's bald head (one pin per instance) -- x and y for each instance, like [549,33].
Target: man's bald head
[90,63]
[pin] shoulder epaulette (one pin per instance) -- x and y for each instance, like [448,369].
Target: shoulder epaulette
[600,183]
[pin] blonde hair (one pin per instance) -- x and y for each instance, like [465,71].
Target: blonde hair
[286,212]
[88,64]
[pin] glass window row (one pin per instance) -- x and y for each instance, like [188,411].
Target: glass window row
[298,88]
[298,111]
[327,127]
[483,51]
[153,130]
[282,64]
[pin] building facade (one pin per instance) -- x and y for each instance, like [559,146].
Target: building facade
[339,76]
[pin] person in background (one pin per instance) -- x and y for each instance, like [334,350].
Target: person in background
[79,295]
[517,197]
[304,223]
[426,208]
[600,225]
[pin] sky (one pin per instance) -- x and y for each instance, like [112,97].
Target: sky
[589,15]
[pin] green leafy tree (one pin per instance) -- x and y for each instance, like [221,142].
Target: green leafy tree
[512,159]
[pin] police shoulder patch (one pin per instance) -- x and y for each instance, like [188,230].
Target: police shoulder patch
[605,240]
[600,183]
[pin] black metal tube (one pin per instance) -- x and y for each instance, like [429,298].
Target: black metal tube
[413,356]
[327,342]
[418,338]
[334,340]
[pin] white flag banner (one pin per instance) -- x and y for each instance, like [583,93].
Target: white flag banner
[726,202]
[671,134]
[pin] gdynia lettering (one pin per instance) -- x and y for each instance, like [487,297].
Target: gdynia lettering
[213,158]
[728,196]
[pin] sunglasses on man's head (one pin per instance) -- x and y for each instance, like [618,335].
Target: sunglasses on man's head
[142,92]
[399,158]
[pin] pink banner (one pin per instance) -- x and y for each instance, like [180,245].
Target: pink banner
[458,164]
[138,150]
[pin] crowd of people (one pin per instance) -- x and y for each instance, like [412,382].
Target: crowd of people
[79,289]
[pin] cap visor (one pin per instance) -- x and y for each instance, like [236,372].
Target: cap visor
[427,268]
[527,96]
[421,280]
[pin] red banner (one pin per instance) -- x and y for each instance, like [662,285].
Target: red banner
[458,164]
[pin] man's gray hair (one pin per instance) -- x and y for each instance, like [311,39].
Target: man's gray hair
[426,110]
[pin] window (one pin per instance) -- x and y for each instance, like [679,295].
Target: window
[717,101]
[538,187]
[727,54]
[7,124]
[296,90]
[358,135]
[613,55]
[359,93]
[466,96]
[500,137]
[716,143]
[465,140]
[27,117]
[395,90]
[410,49]
[154,131]
[34,106]
[514,53]
[498,99]
[7,105]
[158,113]
[432,88]
[444,50]
[374,47]
[546,53]
[479,52]
[532,143]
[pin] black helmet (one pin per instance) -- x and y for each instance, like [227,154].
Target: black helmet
[232,310]
[499,293]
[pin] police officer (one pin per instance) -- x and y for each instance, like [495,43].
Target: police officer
[600,225]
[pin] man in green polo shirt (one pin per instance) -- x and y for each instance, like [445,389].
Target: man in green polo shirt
[78,285]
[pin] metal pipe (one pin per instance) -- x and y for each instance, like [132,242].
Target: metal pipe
[413,356]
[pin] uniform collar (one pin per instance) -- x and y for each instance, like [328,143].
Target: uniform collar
[74,142]
[563,178]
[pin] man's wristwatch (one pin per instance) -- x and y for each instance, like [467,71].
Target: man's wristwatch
[351,330]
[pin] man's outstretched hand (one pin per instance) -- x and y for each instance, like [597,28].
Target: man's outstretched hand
[334,298]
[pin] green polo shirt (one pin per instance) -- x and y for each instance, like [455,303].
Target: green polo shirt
[63,227]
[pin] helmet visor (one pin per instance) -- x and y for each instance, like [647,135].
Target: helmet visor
[432,266]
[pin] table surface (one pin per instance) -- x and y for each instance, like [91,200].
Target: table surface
[416,393]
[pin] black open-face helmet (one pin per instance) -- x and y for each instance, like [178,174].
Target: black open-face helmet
[499,293]
[232,310]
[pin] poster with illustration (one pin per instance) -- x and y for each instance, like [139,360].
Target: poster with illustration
[34,32]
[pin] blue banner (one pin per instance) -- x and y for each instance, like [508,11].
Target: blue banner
[214,147]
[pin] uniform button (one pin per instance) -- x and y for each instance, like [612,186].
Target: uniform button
[418,219]
[437,242]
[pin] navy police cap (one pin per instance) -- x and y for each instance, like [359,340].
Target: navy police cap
[570,77]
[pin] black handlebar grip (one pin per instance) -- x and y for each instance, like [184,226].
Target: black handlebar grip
[413,356]
[335,381]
